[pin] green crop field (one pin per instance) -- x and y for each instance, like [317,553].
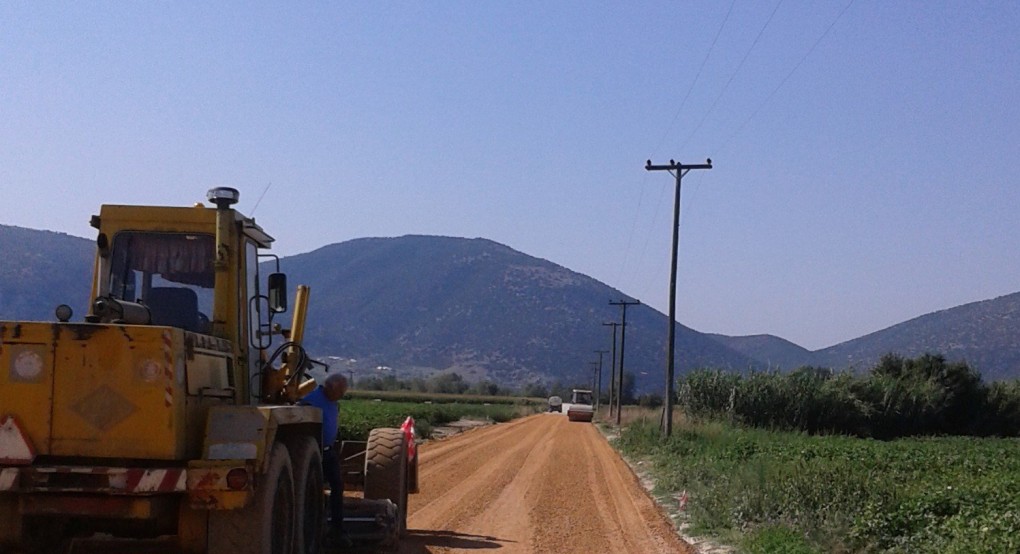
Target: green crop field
[358,416]
[443,398]
[769,491]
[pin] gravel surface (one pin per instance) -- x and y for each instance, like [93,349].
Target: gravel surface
[539,485]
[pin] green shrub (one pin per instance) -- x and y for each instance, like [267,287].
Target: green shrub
[777,540]
[898,398]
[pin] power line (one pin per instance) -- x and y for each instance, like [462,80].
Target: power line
[686,209]
[787,78]
[633,226]
[732,76]
[740,65]
[676,115]
[630,239]
[696,75]
[655,221]
[261,196]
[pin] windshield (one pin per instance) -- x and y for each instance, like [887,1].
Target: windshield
[582,397]
[171,273]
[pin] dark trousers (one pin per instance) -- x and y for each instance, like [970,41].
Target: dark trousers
[335,478]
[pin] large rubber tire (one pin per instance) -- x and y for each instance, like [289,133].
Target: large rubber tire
[386,471]
[310,513]
[265,525]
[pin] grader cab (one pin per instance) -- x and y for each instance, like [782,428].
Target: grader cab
[166,420]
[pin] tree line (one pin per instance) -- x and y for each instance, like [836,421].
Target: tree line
[454,383]
[898,397]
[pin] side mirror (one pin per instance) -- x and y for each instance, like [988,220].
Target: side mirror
[278,292]
[103,245]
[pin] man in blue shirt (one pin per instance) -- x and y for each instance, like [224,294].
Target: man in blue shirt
[325,397]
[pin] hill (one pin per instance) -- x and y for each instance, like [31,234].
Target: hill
[421,304]
[985,334]
[771,351]
[41,270]
[480,308]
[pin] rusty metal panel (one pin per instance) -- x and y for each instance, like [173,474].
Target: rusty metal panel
[117,392]
[126,507]
[26,378]
[208,488]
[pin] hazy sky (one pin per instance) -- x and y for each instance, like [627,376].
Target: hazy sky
[866,152]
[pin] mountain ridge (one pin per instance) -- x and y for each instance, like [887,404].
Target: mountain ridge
[423,303]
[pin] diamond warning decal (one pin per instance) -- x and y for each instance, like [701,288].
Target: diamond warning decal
[104,407]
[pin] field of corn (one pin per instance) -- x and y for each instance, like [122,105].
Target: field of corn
[443,398]
[358,416]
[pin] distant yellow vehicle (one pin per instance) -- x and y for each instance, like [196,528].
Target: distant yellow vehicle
[167,418]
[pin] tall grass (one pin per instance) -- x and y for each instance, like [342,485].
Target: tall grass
[632,414]
[899,397]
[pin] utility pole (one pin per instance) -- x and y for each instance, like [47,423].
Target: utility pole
[678,170]
[612,372]
[623,348]
[598,389]
[594,373]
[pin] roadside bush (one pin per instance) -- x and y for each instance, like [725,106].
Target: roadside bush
[708,393]
[1001,415]
[898,397]
[926,395]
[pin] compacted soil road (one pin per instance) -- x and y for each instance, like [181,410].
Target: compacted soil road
[538,484]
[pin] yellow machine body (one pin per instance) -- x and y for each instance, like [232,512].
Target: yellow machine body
[159,407]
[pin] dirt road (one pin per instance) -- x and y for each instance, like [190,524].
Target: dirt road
[539,484]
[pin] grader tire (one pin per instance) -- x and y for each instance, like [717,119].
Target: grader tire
[266,524]
[386,471]
[310,514]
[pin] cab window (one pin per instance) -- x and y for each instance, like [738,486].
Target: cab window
[170,273]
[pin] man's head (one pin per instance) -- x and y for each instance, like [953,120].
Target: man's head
[335,386]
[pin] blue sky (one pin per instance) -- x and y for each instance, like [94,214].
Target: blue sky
[865,152]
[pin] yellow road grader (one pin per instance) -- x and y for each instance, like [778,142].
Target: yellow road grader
[167,420]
